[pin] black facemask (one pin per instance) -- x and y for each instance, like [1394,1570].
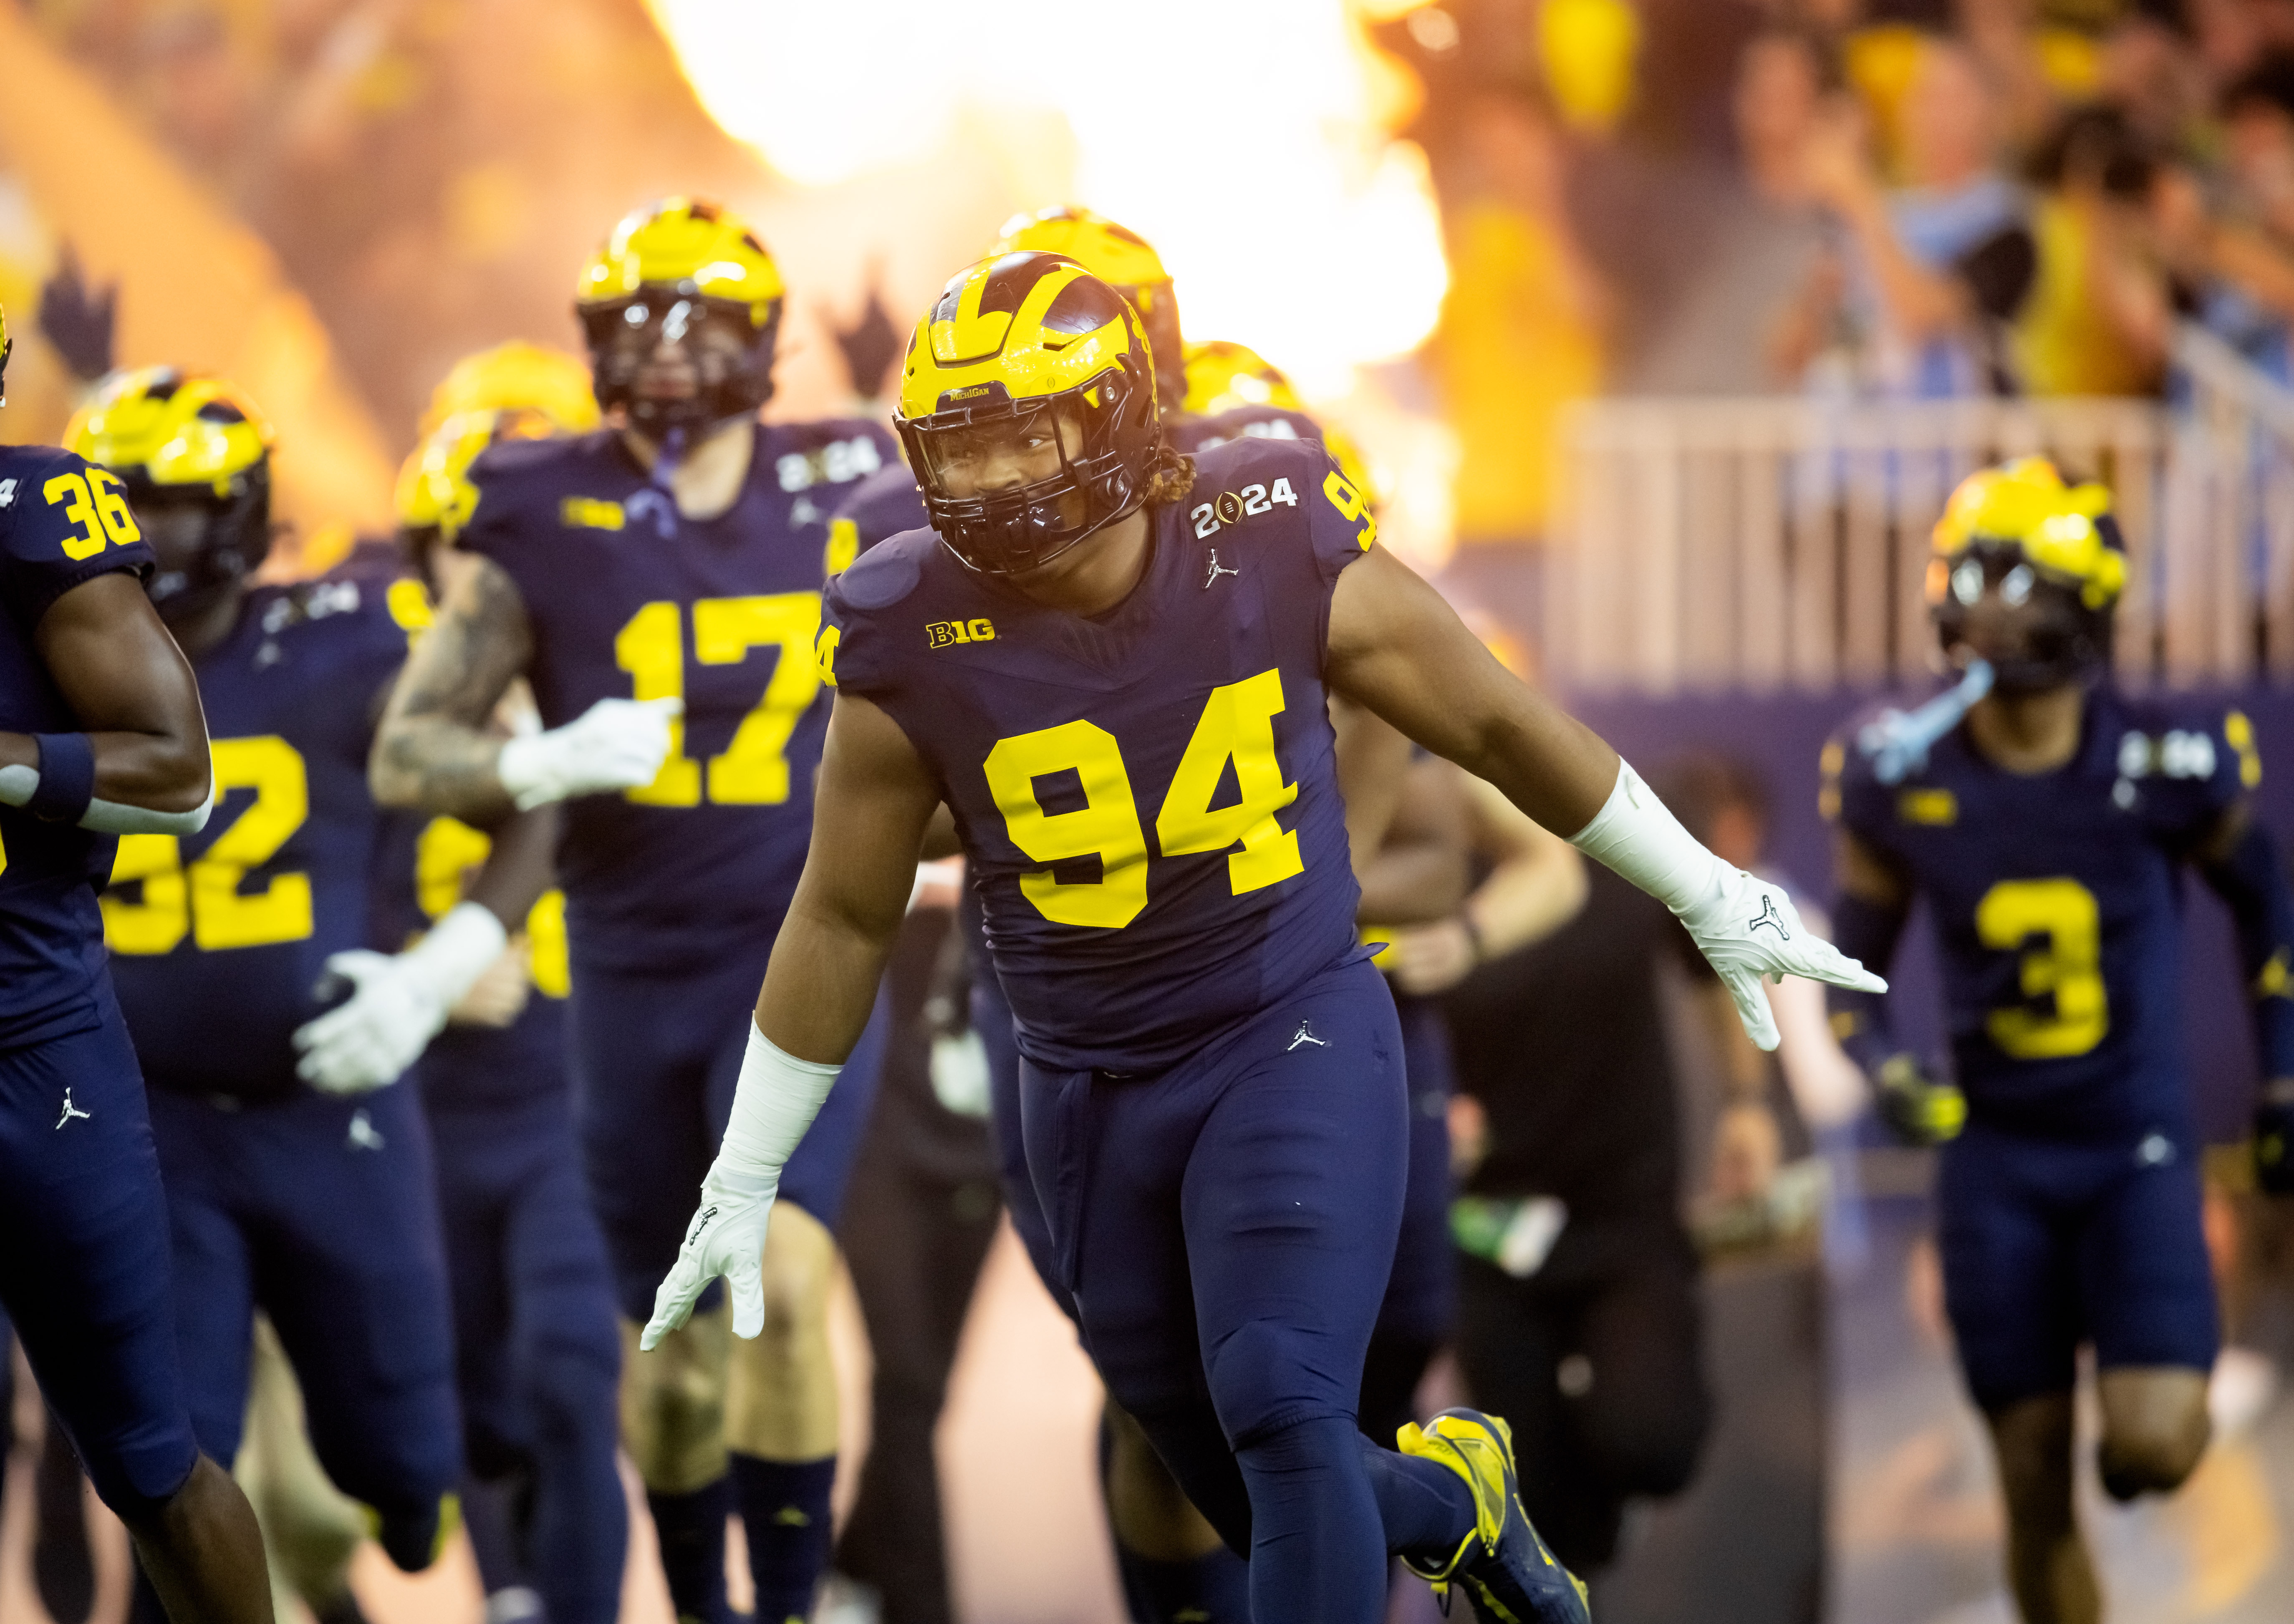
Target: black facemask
[731,356]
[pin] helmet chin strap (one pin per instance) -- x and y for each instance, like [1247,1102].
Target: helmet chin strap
[669,452]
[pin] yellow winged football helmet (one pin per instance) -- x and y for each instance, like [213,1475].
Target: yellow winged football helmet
[1126,261]
[1028,349]
[194,451]
[165,426]
[668,272]
[433,491]
[516,375]
[1223,376]
[2018,529]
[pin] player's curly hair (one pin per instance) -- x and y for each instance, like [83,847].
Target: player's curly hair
[1170,476]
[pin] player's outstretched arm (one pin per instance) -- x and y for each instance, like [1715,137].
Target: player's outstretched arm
[871,802]
[435,750]
[1396,648]
[141,766]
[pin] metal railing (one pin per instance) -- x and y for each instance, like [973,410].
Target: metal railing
[1766,544]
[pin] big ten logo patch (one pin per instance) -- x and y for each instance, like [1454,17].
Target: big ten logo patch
[946,634]
[589,513]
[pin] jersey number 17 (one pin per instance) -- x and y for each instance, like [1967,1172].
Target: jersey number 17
[753,770]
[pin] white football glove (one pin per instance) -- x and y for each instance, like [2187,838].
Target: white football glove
[774,1102]
[1745,927]
[616,744]
[400,1002]
[727,1236]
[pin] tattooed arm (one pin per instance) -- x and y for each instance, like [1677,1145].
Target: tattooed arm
[435,750]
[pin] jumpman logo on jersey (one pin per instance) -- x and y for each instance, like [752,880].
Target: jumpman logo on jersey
[1769,917]
[1217,570]
[70,1111]
[1305,1034]
[364,1135]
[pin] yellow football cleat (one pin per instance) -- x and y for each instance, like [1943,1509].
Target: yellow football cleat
[1511,1576]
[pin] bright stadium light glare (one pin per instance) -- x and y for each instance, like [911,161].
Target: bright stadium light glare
[1237,136]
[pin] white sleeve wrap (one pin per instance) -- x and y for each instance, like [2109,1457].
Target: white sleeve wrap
[18,783]
[774,1103]
[456,951]
[117,817]
[1637,835]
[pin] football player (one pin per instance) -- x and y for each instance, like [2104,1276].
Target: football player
[1171,1562]
[537,1352]
[2044,818]
[1209,393]
[1138,757]
[101,735]
[296,1182]
[658,582]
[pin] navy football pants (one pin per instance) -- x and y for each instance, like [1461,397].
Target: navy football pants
[323,1212]
[1419,1308]
[1225,1230]
[537,1351]
[655,1058]
[2046,1243]
[84,1258]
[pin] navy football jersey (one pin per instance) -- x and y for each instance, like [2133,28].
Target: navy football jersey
[61,523]
[629,600]
[1147,799]
[220,938]
[886,503]
[2057,900]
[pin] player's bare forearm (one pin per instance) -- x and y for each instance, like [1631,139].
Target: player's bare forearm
[131,690]
[1372,759]
[1539,880]
[1420,872]
[872,803]
[521,867]
[434,750]
[1396,648]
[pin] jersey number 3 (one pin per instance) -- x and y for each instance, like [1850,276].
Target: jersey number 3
[205,899]
[2067,966]
[1237,724]
[754,771]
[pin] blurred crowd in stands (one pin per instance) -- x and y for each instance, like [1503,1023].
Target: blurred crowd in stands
[1851,198]
[1870,199]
